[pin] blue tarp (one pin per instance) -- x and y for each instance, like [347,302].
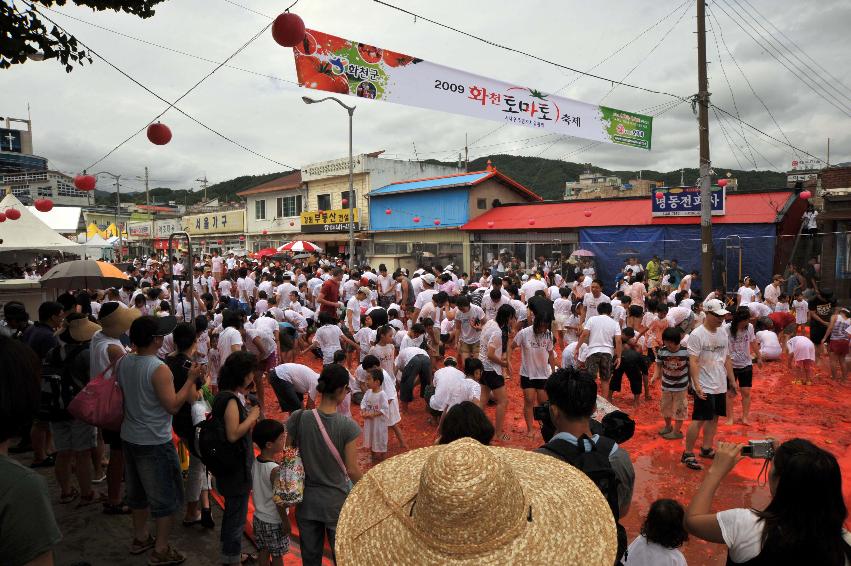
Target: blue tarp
[449,206]
[612,246]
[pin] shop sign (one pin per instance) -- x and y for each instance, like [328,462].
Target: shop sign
[139,229]
[685,201]
[165,228]
[327,221]
[231,221]
[333,168]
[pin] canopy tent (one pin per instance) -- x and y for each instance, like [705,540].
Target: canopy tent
[98,248]
[63,219]
[30,233]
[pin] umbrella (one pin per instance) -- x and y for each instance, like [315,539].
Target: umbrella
[265,252]
[300,246]
[83,274]
[583,253]
[629,251]
[240,252]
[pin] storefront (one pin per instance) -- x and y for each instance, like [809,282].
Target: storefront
[215,231]
[139,237]
[330,230]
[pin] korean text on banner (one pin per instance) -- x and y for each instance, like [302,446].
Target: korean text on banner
[685,201]
[333,64]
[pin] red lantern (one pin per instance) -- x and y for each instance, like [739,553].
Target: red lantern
[85,182]
[587,213]
[265,232]
[416,219]
[242,238]
[531,222]
[221,242]
[288,30]
[388,211]
[292,223]
[490,224]
[159,134]
[806,195]
[43,205]
[660,195]
[722,182]
[345,202]
[13,214]
[203,242]
[437,222]
[2,217]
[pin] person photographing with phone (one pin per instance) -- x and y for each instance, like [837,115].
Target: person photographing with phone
[802,524]
[711,375]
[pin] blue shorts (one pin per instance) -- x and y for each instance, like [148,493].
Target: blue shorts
[153,478]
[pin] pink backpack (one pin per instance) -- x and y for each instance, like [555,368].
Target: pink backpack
[101,402]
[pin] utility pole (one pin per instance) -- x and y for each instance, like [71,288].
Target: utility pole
[682,177]
[706,248]
[466,155]
[203,182]
[148,203]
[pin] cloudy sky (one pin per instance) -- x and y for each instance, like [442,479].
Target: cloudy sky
[80,116]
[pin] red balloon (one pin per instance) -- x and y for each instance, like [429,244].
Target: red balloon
[43,205]
[660,195]
[85,182]
[587,213]
[242,238]
[159,134]
[345,202]
[416,219]
[388,211]
[490,224]
[2,217]
[265,232]
[288,30]
[13,214]
[292,223]
[722,182]
[203,242]
[221,242]
[531,222]
[806,194]
[437,222]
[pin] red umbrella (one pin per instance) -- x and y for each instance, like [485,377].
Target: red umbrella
[300,246]
[265,252]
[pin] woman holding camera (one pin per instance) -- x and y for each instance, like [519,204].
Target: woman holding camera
[801,525]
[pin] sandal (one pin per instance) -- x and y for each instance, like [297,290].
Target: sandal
[111,509]
[690,461]
[665,430]
[246,558]
[140,546]
[505,437]
[193,522]
[673,435]
[93,497]
[171,556]
[707,453]
[69,497]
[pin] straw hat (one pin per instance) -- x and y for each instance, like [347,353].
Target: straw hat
[80,330]
[119,320]
[466,503]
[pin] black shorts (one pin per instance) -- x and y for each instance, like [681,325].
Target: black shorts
[492,380]
[634,378]
[715,405]
[744,376]
[112,438]
[529,383]
[444,338]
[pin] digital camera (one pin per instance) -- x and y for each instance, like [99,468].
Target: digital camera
[759,449]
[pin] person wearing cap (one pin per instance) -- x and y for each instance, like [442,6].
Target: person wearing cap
[465,503]
[773,290]
[74,440]
[711,374]
[151,467]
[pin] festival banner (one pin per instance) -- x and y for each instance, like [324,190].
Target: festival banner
[337,65]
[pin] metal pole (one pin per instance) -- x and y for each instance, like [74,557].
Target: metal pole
[351,112]
[117,212]
[148,202]
[706,250]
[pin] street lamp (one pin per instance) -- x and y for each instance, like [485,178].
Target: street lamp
[117,179]
[351,111]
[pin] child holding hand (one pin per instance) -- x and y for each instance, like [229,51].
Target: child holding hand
[271,524]
[375,410]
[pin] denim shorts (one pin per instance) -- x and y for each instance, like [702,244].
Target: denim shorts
[153,478]
[73,435]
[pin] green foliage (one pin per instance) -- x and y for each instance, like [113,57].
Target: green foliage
[26,35]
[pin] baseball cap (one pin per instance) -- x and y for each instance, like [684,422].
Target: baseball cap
[428,278]
[716,307]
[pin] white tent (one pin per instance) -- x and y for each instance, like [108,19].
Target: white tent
[98,248]
[63,219]
[30,233]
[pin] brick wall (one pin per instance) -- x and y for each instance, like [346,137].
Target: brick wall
[836,178]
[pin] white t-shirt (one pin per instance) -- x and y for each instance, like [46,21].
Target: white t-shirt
[218,264]
[801,348]
[685,282]
[591,303]
[490,307]
[567,359]
[267,343]
[530,287]
[230,336]
[602,331]
[406,354]
[769,345]
[771,293]
[266,325]
[469,335]
[424,297]
[740,346]
[746,295]
[561,308]
[448,388]
[302,378]
[491,335]
[225,287]
[676,315]
[642,552]
[759,310]
[711,349]
[802,309]
[328,339]
[358,309]
[534,353]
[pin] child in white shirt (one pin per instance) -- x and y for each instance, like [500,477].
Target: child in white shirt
[802,310]
[803,351]
[375,410]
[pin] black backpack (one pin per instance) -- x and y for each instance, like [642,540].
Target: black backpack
[62,377]
[211,443]
[595,464]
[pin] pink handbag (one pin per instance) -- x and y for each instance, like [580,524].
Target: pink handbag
[101,402]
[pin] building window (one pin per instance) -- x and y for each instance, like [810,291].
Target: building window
[323,202]
[45,191]
[482,203]
[289,206]
[21,191]
[345,195]
[67,190]
[260,210]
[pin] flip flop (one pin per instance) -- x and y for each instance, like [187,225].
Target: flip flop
[120,509]
[95,497]
[673,435]
[247,558]
[69,497]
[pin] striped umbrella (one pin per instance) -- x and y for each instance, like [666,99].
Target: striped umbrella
[83,274]
[300,246]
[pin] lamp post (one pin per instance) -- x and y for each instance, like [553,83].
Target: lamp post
[117,179]
[351,111]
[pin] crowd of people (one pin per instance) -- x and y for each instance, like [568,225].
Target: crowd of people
[203,351]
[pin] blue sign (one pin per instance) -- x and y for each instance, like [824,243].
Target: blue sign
[10,140]
[685,201]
